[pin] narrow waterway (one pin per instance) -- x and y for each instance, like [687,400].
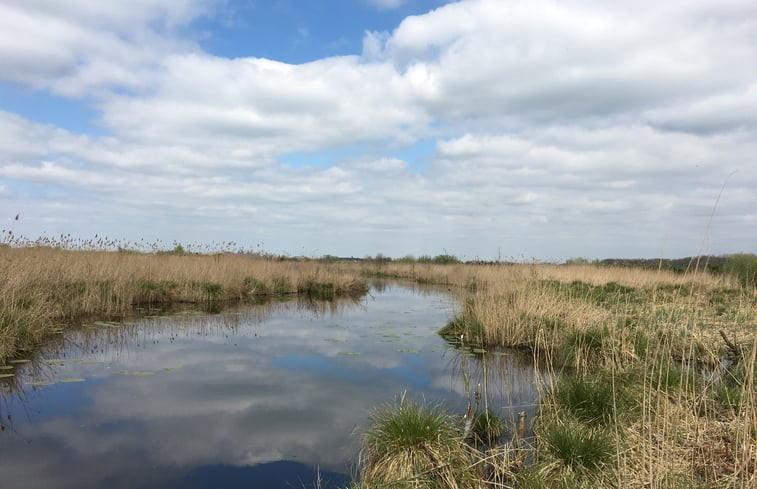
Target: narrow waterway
[261,396]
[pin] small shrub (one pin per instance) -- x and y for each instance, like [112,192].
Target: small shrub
[744,267]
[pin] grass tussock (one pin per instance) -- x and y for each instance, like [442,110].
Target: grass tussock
[44,286]
[412,445]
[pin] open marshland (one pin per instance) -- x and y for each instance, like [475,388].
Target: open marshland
[649,374]
[625,377]
[269,395]
[48,289]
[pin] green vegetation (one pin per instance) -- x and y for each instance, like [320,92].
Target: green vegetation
[744,268]
[652,371]
[577,446]
[488,428]
[411,445]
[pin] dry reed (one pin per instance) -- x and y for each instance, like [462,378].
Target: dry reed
[44,286]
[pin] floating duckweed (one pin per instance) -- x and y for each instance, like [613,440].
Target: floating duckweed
[20,360]
[408,350]
[7,376]
[478,350]
[349,353]
[6,367]
[170,369]
[72,379]
[38,383]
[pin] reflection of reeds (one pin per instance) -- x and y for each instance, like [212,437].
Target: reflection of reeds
[43,286]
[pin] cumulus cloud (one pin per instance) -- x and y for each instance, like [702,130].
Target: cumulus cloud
[546,118]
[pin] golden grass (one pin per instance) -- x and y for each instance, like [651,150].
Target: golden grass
[45,286]
[655,336]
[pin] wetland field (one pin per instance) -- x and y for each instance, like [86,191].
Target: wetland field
[143,369]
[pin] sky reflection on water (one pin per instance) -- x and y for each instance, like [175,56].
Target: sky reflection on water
[255,397]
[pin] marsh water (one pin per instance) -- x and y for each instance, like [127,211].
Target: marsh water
[269,396]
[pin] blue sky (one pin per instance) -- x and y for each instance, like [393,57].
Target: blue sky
[299,31]
[482,128]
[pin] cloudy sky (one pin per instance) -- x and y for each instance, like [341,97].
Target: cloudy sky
[481,128]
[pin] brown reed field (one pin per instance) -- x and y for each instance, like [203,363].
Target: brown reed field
[650,374]
[46,288]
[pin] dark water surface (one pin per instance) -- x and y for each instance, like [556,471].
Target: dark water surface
[265,396]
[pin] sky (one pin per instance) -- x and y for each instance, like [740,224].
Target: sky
[487,129]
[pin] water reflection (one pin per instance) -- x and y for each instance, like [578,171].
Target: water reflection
[200,401]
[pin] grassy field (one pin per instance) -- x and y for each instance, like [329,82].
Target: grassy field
[650,374]
[44,289]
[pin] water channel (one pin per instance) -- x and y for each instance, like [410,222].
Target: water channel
[268,396]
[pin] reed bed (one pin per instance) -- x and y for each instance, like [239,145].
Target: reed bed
[46,288]
[648,376]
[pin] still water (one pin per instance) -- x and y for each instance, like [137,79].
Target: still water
[268,396]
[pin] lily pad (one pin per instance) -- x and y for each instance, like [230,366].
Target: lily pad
[106,324]
[62,360]
[20,360]
[408,350]
[135,373]
[351,353]
[38,383]
[72,379]
[170,369]
[478,350]
[6,367]
[7,376]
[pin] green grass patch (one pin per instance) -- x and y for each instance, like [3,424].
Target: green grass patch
[410,444]
[488,428]
[595,398]
[578,446]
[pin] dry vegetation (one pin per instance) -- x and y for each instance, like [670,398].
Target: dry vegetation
[651,372]
[46,288]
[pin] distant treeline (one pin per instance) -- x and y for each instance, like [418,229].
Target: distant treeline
[741,265]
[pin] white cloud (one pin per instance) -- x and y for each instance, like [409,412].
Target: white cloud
[549,119]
